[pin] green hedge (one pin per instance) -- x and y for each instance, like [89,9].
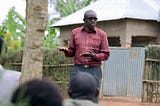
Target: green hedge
[55,66]
[153,61]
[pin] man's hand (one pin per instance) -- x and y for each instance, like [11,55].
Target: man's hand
[89,54]
[64,49]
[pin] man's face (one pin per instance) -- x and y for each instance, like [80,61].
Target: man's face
[90,20]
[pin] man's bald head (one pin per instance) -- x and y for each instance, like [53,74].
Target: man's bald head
[83,86]
[89,12]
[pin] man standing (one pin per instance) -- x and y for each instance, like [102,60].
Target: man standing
[89,47]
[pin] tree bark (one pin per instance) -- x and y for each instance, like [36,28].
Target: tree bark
[37,17]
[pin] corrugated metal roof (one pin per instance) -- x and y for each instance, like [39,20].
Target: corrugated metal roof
[116,9]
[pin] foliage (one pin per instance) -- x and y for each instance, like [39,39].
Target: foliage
[153,51]
[66,7]
[51,38]
[14,30]
[55,66]
[153,56]
[3,30]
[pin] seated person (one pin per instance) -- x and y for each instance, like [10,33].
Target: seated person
[9,79]
[37,92]
[82,90]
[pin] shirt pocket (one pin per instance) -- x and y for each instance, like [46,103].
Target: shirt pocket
[96,42]
[78,41]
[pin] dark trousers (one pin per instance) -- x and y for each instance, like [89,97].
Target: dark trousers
[95,71]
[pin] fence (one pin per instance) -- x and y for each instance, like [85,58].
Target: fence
[56,67]
[151,82]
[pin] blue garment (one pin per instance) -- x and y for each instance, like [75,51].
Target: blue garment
[94,70]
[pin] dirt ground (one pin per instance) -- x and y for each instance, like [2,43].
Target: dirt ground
[124,101]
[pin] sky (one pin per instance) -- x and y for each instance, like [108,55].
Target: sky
[20,7]
[5,5]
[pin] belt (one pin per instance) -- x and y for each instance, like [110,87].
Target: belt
[84,66]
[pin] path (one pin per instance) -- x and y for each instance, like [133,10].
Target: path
[124,101]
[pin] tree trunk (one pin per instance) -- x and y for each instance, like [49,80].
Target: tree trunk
[37,17]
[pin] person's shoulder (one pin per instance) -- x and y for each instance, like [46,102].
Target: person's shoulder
[15,74]
[100,30]
[77,29]
[9,81]
[11,75]
[7,74]
[77,102]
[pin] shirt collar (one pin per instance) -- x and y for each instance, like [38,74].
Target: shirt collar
[94,31]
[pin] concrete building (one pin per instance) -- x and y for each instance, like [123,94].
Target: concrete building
[127,22]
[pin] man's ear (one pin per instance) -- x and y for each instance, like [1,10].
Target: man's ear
[70,93]
[97,92]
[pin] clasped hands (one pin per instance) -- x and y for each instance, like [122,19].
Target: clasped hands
[90,53]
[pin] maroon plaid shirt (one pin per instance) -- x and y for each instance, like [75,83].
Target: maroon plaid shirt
[82,41]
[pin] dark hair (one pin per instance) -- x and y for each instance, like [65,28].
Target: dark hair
[83,86]
[1,44]
[38,92]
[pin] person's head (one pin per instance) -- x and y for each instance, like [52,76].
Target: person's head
[83,86]
[3,52]
[1,44]
[90,19]
[37,92]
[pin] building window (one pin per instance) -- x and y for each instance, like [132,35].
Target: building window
[114,41]
[141,41]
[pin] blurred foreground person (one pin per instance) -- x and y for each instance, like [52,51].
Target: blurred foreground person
[37,92]
[82,90]
[9,79]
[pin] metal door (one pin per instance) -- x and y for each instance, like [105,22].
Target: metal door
[123,72]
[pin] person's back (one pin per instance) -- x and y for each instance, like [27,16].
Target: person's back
[9,80]
[82,90]
[78,102]
[37,92]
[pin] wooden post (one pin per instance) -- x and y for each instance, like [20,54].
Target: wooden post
[144,95]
